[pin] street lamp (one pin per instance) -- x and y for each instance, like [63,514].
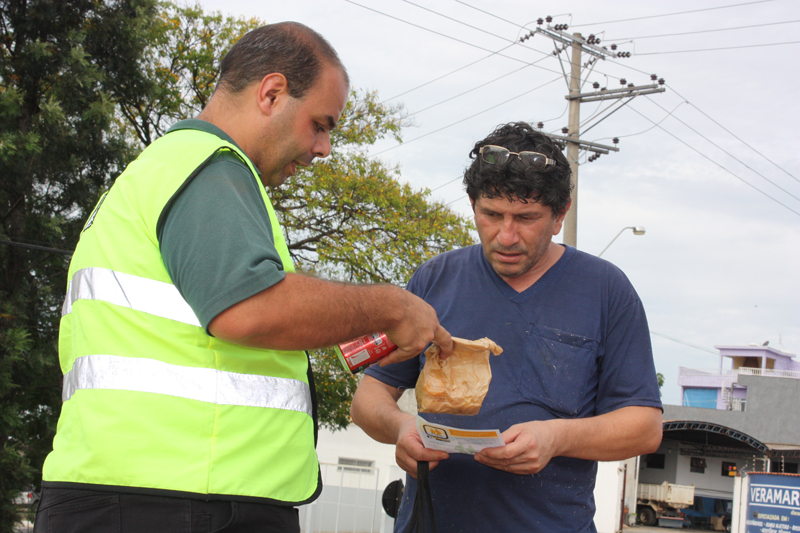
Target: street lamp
[637,230]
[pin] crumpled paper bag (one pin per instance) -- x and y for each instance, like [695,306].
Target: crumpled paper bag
[458,384]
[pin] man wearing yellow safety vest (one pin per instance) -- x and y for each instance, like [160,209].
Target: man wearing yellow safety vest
[189,404]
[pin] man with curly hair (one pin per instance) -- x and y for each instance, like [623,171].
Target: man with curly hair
[576,383]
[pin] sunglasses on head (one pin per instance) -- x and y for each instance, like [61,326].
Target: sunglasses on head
[497,155]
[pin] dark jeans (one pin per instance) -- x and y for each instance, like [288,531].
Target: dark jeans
[89,511]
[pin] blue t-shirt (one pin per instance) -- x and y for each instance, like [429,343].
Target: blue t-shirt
[576,344]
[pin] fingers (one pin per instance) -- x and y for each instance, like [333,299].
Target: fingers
[523,453]
[444,341]
[417,328]
[410,450]
[512,458]
[396,356]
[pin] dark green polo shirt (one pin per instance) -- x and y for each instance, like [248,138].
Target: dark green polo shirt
[217,240]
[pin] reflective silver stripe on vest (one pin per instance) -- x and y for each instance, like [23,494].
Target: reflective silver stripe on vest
[202,384]
[141,294]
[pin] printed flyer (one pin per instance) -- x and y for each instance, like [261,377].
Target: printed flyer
[455,440]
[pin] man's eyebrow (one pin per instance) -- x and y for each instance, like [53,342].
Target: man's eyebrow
[331,122]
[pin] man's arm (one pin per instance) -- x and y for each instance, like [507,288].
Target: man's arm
[617,435]
[301,312]
[374,409]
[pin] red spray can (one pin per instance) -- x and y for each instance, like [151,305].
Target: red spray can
[358,354]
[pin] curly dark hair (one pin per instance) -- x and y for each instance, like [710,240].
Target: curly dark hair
[515,180]
[290,48]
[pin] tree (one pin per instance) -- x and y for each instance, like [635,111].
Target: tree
[59,148]
[181,65]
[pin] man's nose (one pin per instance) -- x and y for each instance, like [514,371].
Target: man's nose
[508,234]
[322,148]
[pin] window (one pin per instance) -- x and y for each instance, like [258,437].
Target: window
[698,465]
[355,465]
[705,398]
[779,466]
[728,469]
[655,460]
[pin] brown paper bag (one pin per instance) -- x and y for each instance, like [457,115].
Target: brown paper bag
[458,384]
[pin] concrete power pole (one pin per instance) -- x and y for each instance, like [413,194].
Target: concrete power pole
[578,46]
[571,220]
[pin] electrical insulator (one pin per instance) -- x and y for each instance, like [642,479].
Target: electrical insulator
[596,85]
[623,81]
[661,81]
[615,140]
[597,41]
[603,89]
[653,77]
[613,46]
[564,130]
[549,19]
[630,85]
[540,125]
[539,22]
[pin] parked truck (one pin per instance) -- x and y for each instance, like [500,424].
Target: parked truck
[661,504]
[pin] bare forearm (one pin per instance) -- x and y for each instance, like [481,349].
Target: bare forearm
[374,409]
[302,312]
[614,436]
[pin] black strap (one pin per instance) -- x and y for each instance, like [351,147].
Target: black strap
[422,502]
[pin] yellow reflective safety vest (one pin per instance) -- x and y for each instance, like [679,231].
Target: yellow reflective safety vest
[151,401]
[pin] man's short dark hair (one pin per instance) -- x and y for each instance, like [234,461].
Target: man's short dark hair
[514,180]
[289,48]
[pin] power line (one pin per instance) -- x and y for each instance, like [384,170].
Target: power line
[449,36]
[683,342]
[701,31]
[672,14]
[726,152]
[459,22]
[715,49]
[490,14]
[473,89]
[447,183]
[719,165]
[734,135]
[446,75]
[466,118]
[648,129]
[36,247]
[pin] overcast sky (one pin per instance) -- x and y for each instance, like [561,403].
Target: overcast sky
[710,167]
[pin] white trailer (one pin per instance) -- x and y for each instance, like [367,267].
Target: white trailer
[661,503]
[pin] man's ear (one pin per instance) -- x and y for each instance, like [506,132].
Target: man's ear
[272,91]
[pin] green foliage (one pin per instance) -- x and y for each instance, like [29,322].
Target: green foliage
[181,66]
[59,76]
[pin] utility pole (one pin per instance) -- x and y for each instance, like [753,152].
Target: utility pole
[578,46]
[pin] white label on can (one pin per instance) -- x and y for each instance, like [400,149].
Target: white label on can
[358,358]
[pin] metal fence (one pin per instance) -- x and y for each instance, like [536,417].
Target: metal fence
[351,502]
